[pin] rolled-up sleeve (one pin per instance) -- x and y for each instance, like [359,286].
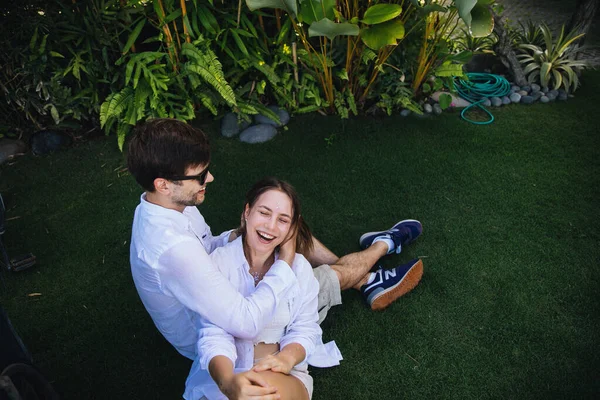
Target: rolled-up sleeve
[214,341]
[304,329]
[189,275]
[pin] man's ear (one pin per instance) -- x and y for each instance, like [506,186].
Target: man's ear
[161,185]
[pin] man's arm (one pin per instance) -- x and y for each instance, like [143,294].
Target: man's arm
[320,254]
[188,274]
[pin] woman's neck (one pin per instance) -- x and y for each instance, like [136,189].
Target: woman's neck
[259,262]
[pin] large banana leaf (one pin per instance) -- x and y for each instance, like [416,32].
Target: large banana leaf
[381,13]
[316,10]
[288,5]
[482,21]
[381,35]
[327,27]
[477,16]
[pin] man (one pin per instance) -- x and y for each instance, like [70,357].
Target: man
[171,243]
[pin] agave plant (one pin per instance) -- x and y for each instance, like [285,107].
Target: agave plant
[528,33]
[465,41]
[553,63]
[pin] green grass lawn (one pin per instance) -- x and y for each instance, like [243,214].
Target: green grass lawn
[508,306]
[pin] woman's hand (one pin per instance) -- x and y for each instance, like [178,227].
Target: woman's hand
[277,363]
[248,385]
[242,386]
[283,361]
[287,250]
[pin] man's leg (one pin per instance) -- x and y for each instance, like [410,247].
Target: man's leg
[353,270]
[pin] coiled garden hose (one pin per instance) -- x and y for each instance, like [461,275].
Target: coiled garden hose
[479,87]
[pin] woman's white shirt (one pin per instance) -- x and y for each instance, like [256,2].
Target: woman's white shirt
[303,328]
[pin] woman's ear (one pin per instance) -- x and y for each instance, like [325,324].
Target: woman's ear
[246,211]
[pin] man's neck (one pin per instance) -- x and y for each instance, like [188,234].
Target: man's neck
[160,200]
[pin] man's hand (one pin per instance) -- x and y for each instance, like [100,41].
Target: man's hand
[280,362]
[287,250]
[248,385]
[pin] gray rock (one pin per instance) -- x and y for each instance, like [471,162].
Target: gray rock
[527,100]
[505,100]
[258,133]
[486,102]
[562,95]
[44,142]
[437,109]
[536,95]
[230,126]
[535,87]
[551,96]
[405,113]
[523,92]
[427,108]
[554,93]
[515,97]
[283,115]
[544,99]
[496,101]
[10,148]
[515,88]
[545,90]
[526,88]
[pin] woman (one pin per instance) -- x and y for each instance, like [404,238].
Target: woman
[278,357]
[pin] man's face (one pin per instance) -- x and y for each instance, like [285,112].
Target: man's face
[190,192]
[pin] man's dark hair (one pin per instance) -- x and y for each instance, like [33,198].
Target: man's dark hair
[163,148]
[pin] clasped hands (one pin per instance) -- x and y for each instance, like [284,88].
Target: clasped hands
[252,385]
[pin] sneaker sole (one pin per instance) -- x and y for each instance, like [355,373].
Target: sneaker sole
[408,283]
[378,232]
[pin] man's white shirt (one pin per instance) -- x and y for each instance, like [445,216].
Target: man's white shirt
[177,281]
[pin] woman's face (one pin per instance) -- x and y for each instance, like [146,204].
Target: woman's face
[268,221]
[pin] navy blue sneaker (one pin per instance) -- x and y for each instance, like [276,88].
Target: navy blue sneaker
[389,284]
[403,233]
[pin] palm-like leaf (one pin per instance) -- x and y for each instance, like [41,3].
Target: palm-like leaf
[554,63]
[206,64]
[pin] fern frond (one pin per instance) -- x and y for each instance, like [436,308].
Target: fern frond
[368,55]
[307,109]
[351,102]
[122,131]
[117,103]
[267,71]
[207,101]
[206,64]
[340,105]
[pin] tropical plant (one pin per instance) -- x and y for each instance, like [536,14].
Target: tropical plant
[527,33]
[68,65]
[465,41]
[554,63]
[441,19]
[347,44]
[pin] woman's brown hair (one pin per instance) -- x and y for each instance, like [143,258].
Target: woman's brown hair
[304,243]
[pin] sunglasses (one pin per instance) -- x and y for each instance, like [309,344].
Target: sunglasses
[200,178]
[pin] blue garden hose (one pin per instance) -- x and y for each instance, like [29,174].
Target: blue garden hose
[479,87]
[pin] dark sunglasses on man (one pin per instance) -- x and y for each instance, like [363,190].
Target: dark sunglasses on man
[201,178]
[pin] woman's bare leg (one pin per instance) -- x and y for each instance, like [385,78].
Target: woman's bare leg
[288,386]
